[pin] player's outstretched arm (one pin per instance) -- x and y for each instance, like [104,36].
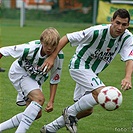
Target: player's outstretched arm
[49,62]
[126,82]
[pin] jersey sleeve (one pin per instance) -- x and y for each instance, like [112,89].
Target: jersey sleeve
[127,50]
[80,37]
[14,51]
[57,69]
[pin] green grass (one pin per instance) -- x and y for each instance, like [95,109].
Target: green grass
[100,121]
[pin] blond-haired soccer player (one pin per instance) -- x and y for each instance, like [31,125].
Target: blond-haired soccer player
[27,77]
[97,46]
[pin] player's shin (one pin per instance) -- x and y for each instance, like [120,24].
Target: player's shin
[86,102]
[56,124]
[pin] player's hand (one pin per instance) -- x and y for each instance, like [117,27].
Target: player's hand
[49,107]
[126,84]
[48,64]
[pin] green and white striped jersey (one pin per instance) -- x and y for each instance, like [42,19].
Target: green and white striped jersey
[29,61]
[96,48]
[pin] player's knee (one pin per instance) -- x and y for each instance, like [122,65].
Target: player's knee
[41,100]
[96,92]
[37,96]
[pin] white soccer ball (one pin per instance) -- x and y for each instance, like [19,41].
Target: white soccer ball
[110,98]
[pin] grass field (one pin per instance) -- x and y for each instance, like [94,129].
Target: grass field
[101,121]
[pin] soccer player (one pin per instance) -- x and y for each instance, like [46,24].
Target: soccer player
[27,77]
[97,46]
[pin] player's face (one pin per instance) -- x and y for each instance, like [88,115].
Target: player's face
[48,49]
[118,26]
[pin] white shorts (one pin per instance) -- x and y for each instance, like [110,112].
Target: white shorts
[86,81]
[23,85]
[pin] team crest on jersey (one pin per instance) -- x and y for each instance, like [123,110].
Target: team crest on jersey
[56,77]
[108,49]
[131,53]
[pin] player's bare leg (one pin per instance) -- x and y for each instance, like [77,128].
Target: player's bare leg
[87,102]
[31,112]
[84,113]
[59,122]
[15,120]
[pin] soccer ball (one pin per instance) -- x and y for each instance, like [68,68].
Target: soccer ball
[110,98]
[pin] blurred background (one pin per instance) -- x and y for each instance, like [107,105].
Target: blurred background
[81,11]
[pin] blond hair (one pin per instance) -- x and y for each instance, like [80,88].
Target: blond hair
[50,36]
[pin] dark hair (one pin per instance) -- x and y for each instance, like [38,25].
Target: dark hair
[122,13]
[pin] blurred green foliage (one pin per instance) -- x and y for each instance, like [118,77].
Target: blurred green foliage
[53,15]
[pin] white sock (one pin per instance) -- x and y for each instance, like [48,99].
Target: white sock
[86,102]
[28,117]
[11,123]
[56,124]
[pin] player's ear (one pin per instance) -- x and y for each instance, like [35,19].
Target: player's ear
[111,20]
